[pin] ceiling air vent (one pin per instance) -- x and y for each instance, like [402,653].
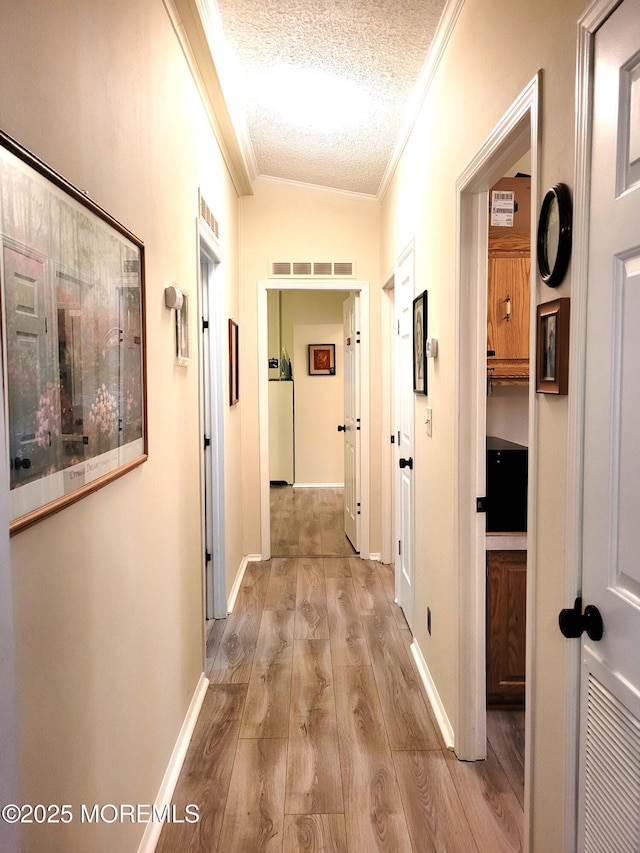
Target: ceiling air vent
[312,269]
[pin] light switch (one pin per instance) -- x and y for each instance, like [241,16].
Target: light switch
[429,420]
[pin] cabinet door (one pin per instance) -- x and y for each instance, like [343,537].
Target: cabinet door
[506,627]
[508,306]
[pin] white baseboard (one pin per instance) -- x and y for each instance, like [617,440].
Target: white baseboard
[165,794]
[377,558]
[249,558]
[318,485]
[446,729]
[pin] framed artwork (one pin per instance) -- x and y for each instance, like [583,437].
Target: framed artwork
[420,343]
[234,389]
[322,359]
[73,357]
[552,347]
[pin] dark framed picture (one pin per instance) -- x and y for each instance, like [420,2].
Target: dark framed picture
[234,390]
[322,359]
[420,343]
[552,347]
[73,332]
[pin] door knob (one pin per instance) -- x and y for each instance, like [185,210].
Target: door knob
[342,428]
[21,463]
[406,463]
[574,622]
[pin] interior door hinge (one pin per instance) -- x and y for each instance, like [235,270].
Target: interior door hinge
[357,424]
[393,439]
[205,324]
[481,504]
[399,547]
[207,441]
[207,556]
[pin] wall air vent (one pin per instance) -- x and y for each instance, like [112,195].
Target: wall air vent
[207,215]
[312,269]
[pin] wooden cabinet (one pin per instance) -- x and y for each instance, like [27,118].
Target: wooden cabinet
[506,627]
[509,266]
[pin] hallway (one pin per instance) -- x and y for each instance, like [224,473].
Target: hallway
[315,733]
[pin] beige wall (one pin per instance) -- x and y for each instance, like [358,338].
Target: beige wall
[294,222]
[495,50]
[108,592]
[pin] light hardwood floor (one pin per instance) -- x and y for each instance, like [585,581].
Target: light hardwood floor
[308,522]
[316,735]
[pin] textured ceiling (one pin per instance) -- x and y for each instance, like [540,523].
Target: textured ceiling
[326,83]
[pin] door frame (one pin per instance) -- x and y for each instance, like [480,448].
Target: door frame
[346,285]
[589,23]
[214,581]
[515,134]
[387,484]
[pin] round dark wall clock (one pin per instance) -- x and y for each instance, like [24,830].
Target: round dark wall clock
[554,235]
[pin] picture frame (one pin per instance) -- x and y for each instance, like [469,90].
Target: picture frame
[552,347]
[420,320]
[234,380]
[73,339]
[322,359]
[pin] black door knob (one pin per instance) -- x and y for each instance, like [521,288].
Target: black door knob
[21,463]
[342,428]
[574,622]
[406,463]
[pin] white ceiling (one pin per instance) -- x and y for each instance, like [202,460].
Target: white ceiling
[326,84]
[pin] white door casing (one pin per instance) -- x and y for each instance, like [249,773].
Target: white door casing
[609,788]
[212,405]
[404,433]
[351,327]
[362,288]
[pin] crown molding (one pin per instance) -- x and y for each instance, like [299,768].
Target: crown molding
[434,56]
[199,32]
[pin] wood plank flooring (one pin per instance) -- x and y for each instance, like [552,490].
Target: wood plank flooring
[316,735]
[308,522]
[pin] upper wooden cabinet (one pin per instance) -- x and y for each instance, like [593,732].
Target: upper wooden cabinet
[509,266]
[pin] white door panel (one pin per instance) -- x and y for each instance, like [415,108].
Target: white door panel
[610,695]
[351,324]
[403,296]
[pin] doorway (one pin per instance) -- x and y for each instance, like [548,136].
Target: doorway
[513,137]
[212,409]
[344,287]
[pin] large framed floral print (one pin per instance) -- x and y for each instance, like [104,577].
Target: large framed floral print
[73,340]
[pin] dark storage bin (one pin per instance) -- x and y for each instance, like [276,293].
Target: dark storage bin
[507,464]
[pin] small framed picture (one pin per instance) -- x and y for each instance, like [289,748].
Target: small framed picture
[552,347]
[420,343]
[234,392]
[322,359]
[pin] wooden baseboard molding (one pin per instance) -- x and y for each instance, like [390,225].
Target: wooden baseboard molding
[446,729]
[165,794]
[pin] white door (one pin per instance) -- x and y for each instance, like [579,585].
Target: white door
[212,421]
[609,799]
[404,435]
[351,322]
